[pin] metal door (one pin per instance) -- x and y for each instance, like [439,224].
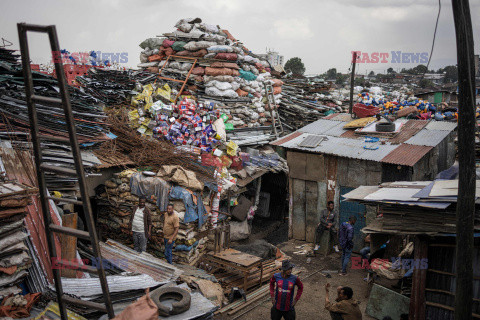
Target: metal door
[351,208]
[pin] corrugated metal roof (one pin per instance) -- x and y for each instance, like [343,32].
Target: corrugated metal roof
[406,155]
[311,141]
[410,128]
[286,139]
[441,125]
[337,130]
[319,127]
[348,148]
[428,137]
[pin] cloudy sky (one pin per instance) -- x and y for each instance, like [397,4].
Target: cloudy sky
[321,32]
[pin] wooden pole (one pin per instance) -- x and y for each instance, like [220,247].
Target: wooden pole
[466,159]
[352,81]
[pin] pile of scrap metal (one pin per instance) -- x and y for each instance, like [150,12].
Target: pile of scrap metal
[217,68]
[15,258]
[173,184]
[14,122]
[304,102]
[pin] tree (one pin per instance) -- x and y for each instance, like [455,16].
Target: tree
[332,74]
[341,78]
[295,66]
[371,73]
[390,70]
[451,74]
[420,69]
[425,83]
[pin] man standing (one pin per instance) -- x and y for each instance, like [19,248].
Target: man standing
[140,225]
[170,230]
[345,308]
[345,237]
[282,287]
[327,222]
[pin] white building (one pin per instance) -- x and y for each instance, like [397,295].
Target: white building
[273,57]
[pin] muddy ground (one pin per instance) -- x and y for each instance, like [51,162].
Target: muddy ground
[311,305]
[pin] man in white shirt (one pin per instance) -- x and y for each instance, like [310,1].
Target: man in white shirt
[140,225]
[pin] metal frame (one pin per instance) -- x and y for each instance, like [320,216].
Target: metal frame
[176,80]
[50,227]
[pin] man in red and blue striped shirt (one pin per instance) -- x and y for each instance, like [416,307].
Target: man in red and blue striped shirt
[282,286]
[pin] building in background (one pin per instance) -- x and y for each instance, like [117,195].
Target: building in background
[273,57]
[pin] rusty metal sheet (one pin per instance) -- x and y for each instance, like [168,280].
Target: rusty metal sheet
[311,209]
[297,164]
[286,139]
[331,168]
[298,215]
[406,155]
[409,129]
[19,166]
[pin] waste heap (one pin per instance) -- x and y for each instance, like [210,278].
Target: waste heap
[173,185]
[403,103]
[15,259]
[15,127]
[224,70]
[304,102]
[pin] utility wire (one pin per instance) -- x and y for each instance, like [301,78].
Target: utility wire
[434,36]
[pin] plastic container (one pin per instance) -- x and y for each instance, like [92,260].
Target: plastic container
[363,111]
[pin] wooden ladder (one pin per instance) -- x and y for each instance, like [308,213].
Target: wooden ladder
[41,167]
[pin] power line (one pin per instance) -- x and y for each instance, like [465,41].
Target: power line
[434,36]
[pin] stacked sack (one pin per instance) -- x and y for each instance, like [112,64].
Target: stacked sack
[227,69]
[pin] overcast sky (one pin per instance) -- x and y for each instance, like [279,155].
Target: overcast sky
[321,32]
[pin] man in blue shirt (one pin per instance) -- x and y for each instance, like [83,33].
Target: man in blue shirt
[345,238]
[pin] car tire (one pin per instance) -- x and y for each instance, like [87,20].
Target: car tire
[182,297]
[385,127]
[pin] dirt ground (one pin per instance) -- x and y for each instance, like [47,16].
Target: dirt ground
[311,304]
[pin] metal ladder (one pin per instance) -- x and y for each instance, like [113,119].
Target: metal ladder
[276,122]
[41,168]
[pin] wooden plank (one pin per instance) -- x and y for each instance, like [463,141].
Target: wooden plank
[438,305]
[235,256]
[331,163]
[298,215]
[69,244]
[419,279]
[297,164]
[315,167]
[311,212]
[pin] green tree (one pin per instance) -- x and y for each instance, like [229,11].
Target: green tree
[451,74]
[341,78]
[371,73]
[425,83]
[420,69]
[332,74]
[295,66]
[390,70]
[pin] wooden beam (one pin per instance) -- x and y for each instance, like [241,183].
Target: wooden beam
[69,244]
[419,277]
[438,305]
[466,159]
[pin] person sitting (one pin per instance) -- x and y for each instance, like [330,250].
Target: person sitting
[345,308]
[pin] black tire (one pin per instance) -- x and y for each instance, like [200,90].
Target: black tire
[182,296]
[385,127]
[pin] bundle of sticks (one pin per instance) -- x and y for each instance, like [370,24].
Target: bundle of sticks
[145,151]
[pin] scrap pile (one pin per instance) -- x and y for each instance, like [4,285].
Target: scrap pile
[15,259]
[172,184]
[406,104]
[15,127]
[304,102]
[225,70]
